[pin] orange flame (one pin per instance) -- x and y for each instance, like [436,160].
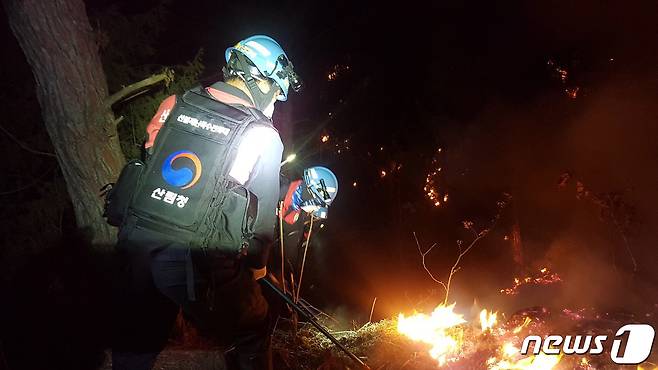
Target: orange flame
[433,330]
[525,323]
[487,320]
[442,330]
[540,362]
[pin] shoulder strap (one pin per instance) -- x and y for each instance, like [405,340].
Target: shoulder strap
[200,98]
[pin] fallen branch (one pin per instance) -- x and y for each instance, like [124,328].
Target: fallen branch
[132,90]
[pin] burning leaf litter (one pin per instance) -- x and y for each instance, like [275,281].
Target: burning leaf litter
[445,339]
[436,330]
[545,277]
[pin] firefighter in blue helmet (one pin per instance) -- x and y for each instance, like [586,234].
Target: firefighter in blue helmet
[313,194]
[309,196]
[196,219]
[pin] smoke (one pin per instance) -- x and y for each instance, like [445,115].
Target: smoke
[488,97]
[604,141]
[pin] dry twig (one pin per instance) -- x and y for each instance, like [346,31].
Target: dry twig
[423,255]
[301,271]
[468,225]
[372,309]
[25,146]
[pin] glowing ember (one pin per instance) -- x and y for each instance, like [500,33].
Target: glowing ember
[525,323]
[585,365]
[325,138]
[382,173]
[540,362]
[487,320]
[572,92]
[431,182]
[558,70]
[545,277]
[336,71]
[509,354]
[563,75]
[434,331]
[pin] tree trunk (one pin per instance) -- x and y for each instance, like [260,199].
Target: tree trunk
[59,44]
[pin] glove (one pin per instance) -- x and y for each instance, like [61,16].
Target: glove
[259,273]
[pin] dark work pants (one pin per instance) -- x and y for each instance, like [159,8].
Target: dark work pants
[228,305]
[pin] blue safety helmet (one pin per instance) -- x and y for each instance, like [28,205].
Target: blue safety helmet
[322,184]
[270,60]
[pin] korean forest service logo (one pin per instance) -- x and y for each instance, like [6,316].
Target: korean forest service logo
[185,176]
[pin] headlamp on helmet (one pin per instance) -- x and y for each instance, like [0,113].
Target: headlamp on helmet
[322,184]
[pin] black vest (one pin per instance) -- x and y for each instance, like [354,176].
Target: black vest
[184,191]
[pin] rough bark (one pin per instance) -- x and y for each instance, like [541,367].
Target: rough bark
[59,45]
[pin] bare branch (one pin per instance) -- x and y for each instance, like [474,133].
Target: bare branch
[423,254]
[34,182]
[372,309]
[468,225]
[25,146]
[456,267]
[118,120]
[626,244]
[137,88]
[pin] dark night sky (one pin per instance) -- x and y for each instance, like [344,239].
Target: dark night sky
[469,76]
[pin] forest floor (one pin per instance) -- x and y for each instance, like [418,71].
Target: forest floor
[382,346]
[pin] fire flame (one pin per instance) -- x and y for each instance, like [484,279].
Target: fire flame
[540,362]
[433,330]
[525,323]
[443,331]
[487,320]
[545,277]
[509,351]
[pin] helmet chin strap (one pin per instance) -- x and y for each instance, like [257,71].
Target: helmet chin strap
[269,110]
[261,100]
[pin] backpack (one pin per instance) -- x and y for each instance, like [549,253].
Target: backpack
[184,192]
